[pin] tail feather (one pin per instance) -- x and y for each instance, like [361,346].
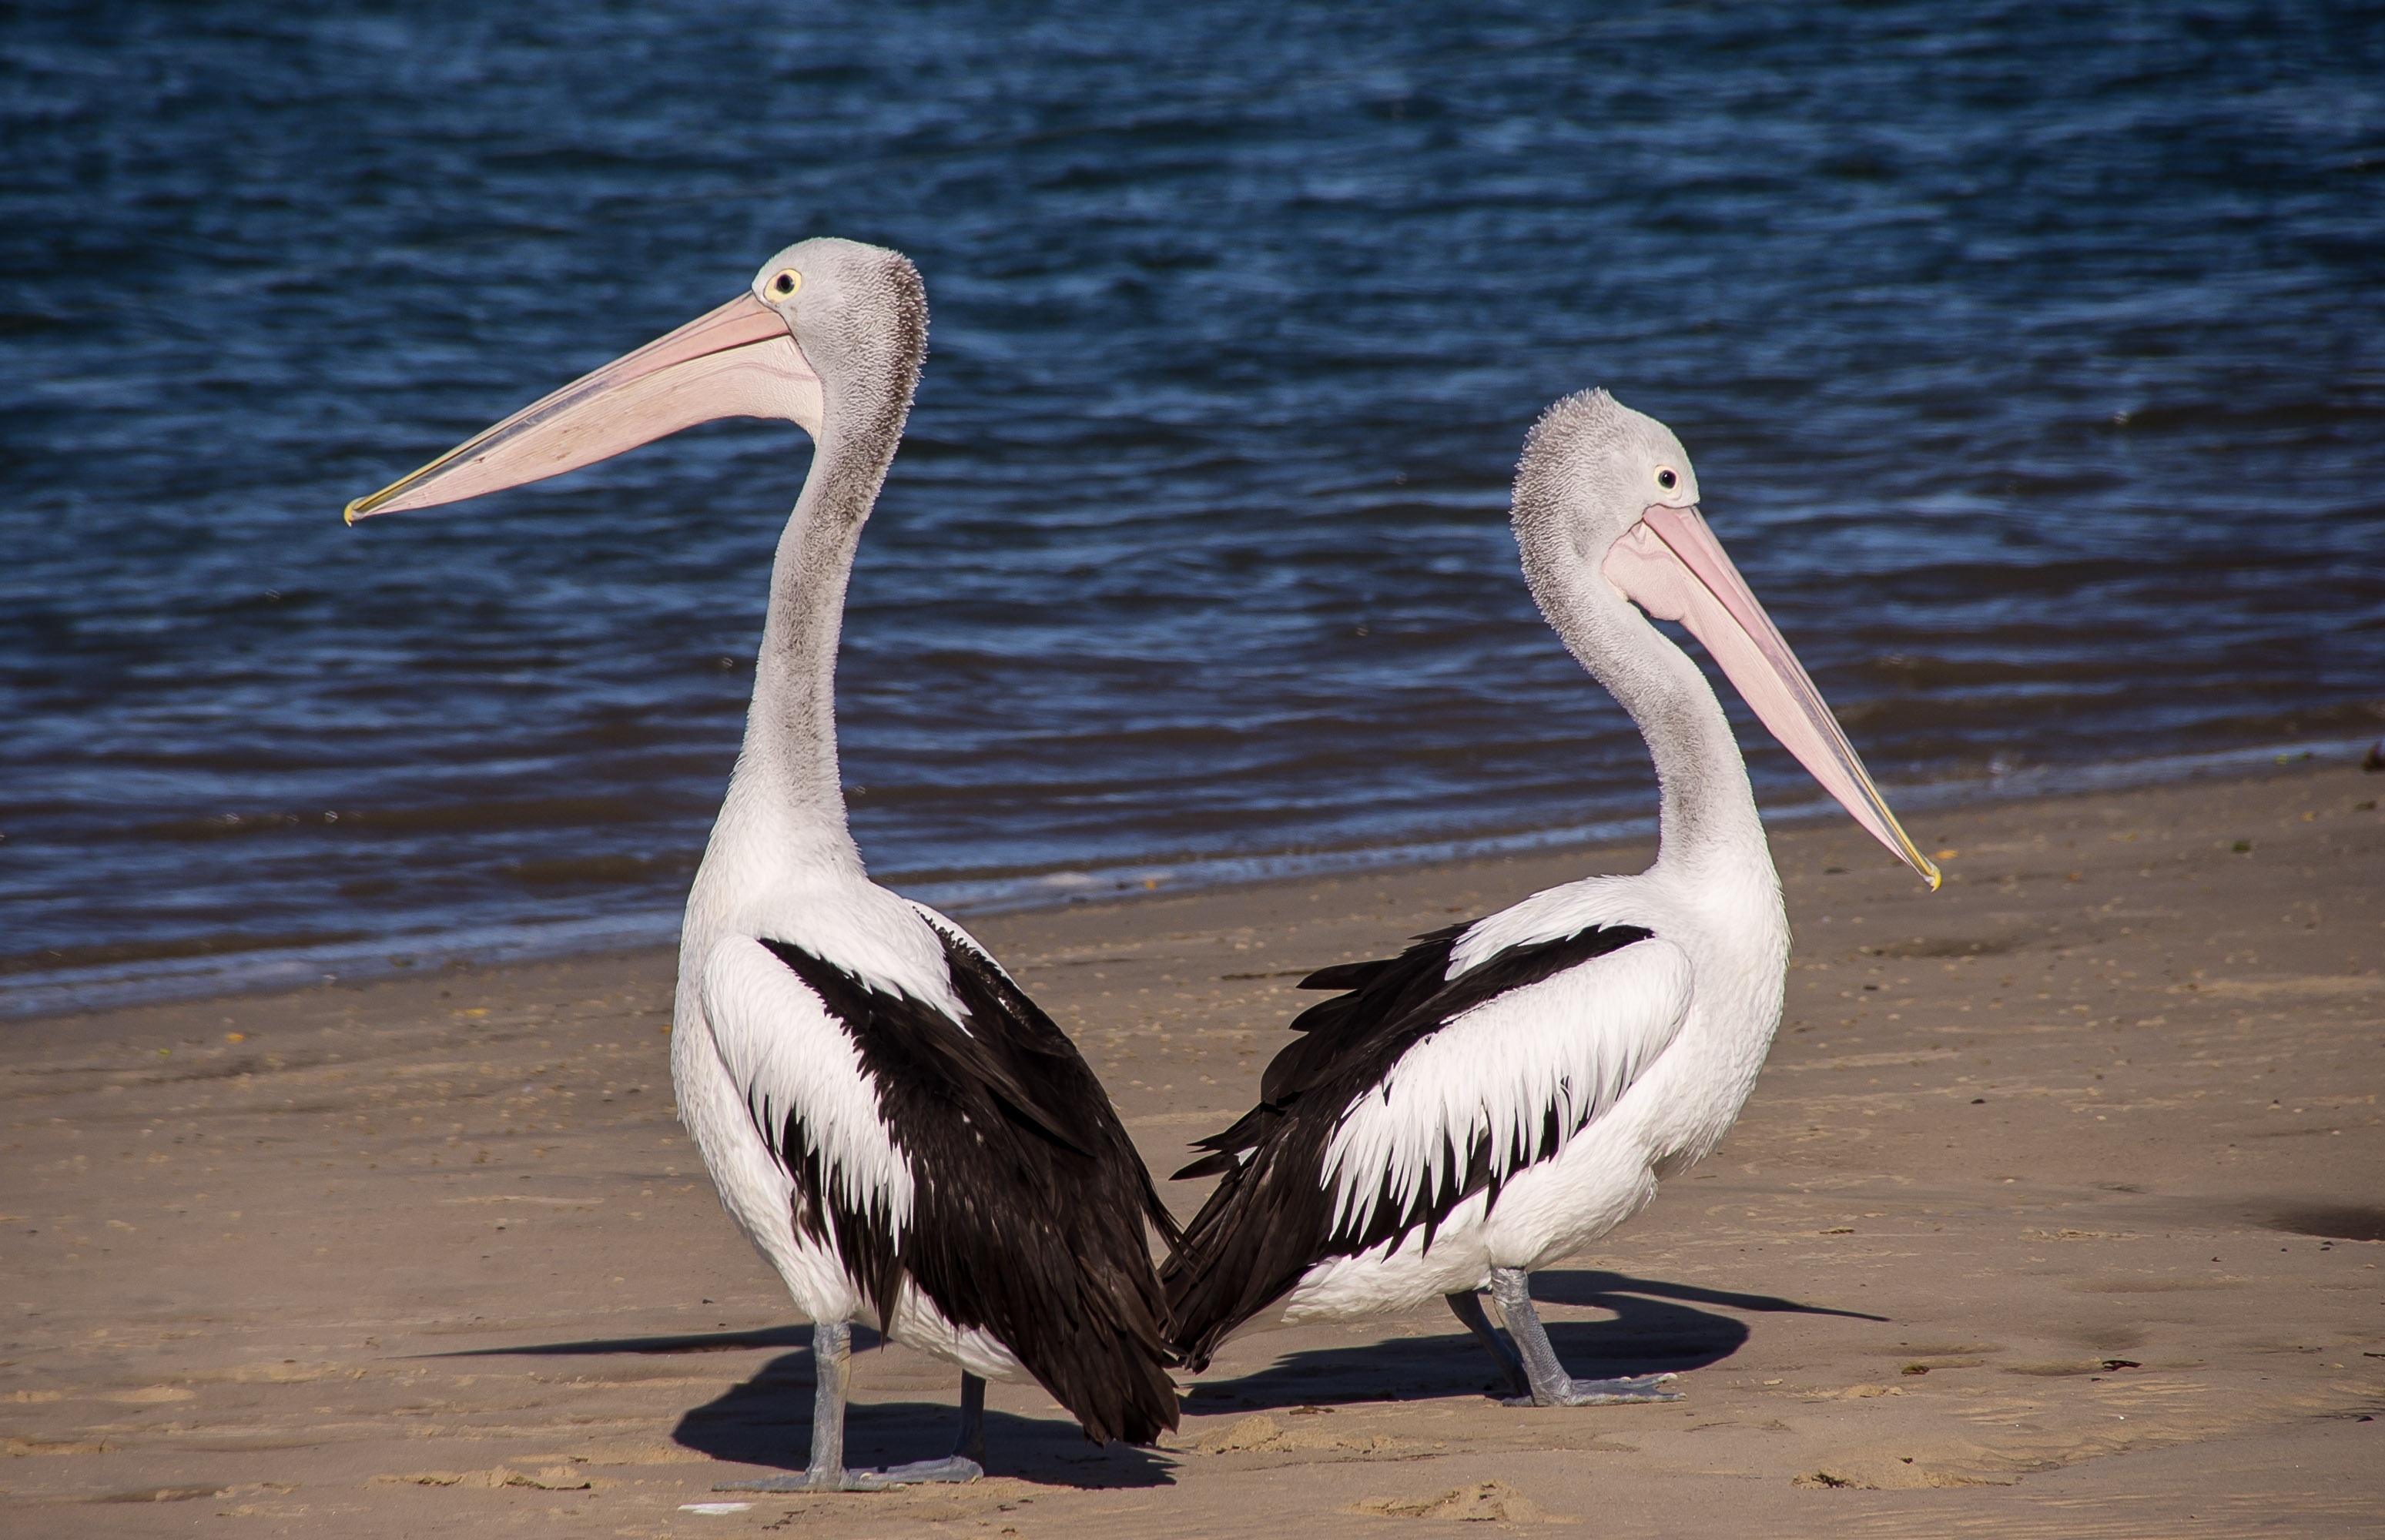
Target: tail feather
[1251,1242]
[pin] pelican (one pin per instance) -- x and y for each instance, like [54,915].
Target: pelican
[897,1128]
[1506,1091]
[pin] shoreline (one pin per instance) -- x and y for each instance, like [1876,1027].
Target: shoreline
[228,975]
[2059,1186]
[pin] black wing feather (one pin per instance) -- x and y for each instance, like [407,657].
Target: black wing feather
[1271,1217]
[1027,1195]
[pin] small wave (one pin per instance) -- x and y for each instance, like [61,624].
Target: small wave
[521,813]
[96,978]
[106,986]
[595,870]
[135,953]
[2004,781]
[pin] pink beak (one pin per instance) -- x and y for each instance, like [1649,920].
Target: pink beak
[1670,564]
[738,361]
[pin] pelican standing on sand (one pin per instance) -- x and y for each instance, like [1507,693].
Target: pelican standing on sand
[899,1130]
[1506,1091]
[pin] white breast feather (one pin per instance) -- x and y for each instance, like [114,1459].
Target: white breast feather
[1576,1041]
[788,1056]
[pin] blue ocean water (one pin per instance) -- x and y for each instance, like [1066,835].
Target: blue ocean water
[2031,356]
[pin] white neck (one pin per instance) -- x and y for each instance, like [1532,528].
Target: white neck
[1708,827]
[786,788]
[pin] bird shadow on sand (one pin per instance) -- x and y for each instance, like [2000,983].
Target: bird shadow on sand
[694,1342]
[1656,1328]
[767,1419]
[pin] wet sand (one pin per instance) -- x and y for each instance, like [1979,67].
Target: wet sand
[2060,1210]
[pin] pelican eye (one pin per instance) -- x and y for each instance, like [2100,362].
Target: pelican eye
[1665,479]
[783,284]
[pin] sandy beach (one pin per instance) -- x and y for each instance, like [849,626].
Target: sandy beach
[2059,1210]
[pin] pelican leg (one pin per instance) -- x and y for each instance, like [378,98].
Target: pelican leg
[1467,1307]
[832,1375]
[971,1444]
[967,1462]
[1552,1386]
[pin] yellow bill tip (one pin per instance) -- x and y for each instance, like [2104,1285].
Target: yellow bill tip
[366,507]
[1910,853]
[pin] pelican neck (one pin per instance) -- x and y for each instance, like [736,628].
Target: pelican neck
[1708,821]
[788,760]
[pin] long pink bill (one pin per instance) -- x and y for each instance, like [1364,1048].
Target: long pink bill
[1670,564]
[737,360]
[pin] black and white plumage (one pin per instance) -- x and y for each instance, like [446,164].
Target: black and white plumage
[903,1136]
[1364,1099]
[1505,1091]
[994,1198]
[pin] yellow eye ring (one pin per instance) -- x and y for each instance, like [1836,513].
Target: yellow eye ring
[1665,479]
[784,283]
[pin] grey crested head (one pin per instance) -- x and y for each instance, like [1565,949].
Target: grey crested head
[1590,466]
[859,312]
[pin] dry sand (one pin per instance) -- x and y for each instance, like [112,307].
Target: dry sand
[2057,1212]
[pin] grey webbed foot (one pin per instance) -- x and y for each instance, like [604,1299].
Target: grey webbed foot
[951,1467]
[1602,1393]
[815,1481]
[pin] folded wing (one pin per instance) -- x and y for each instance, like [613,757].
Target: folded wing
[1411,1094]
[974,1158]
